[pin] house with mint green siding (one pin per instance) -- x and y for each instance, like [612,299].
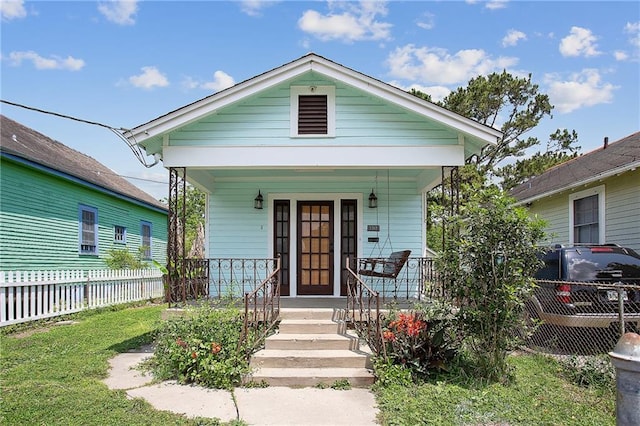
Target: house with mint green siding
[313,163]
[591,199]
[63,210]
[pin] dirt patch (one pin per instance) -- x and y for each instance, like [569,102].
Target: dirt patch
[31,331]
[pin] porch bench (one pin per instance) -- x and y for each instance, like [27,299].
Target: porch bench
[384,268]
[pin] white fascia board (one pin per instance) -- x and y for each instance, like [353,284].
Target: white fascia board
[210,104]
[312,156]
[574,185]
[409,101]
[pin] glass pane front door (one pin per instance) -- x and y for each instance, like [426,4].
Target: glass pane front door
[315,247]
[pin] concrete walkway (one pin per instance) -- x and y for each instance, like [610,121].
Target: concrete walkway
[256,406]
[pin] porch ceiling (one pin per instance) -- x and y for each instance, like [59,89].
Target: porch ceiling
[425,177]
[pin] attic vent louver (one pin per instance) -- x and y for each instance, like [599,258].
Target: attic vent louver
[312,115]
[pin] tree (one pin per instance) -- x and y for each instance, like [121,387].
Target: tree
[516,106]
[560,148]
[194,217]
[502,98]
[489,269]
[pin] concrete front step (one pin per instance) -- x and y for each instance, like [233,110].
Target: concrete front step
[283,358]
[311,341]
[315,326]
[312,314]
[301,377]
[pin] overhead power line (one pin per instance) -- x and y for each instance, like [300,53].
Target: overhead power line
[118,131]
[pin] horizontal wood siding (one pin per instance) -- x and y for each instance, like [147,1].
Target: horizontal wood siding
[622,214]
[239,230]
[360,120]
[622,195]
[39,222]
[555,212]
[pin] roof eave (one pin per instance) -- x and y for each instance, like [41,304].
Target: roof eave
[210,104]
[618,170]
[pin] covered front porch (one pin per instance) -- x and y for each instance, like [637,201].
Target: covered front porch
[234,279]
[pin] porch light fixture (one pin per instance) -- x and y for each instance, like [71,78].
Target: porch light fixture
[257,202]
[373,200]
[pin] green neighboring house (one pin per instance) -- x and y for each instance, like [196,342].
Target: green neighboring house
[594,198]
[61,209]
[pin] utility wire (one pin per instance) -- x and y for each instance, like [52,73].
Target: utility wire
[118,131]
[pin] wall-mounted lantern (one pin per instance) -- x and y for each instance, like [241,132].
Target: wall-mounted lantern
[373,200]
[257,202]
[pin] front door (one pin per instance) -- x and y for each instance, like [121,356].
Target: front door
[315,248]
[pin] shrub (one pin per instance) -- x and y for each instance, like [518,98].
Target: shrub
[489,267]
[202,347]
[421,340]
[124,259]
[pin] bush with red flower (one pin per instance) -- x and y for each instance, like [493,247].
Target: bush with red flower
[422,340]
[202,347]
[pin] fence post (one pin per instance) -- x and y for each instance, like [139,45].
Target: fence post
[621,308]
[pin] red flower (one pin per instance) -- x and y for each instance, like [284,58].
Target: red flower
[181,343]
[215,348]
[389,336]
[194,355]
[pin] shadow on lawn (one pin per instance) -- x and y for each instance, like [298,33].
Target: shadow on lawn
[141,343]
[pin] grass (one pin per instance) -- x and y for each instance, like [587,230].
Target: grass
[52,376]
[540,394]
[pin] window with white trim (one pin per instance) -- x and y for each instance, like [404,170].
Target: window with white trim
[313,111]
[145,234]
[586,216]
[88,230]
[119,234]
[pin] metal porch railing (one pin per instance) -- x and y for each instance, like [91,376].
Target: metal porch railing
[262,309]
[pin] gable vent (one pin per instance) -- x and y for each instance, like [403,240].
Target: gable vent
[312,115]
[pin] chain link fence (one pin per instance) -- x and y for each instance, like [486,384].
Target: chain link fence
[579,318]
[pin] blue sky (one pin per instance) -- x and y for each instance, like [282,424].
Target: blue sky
[125,63]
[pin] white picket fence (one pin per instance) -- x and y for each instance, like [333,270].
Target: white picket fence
[31,295]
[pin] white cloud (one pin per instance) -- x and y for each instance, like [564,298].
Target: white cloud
[221,81]
[436,65]
[581,42]
[12,9]
[513,37]
[151,77]
[582,89]
[121,12]
[496,4]
[620,55]
[633,29]
[426,21]
[255,7]
[53,63]
[437,93]
[347,22]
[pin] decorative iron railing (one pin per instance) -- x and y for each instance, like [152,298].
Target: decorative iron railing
[417,280]
[233,278]
[363,310]
[187,280]
[261,310]
[217,278]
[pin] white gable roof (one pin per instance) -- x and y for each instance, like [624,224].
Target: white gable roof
[311,62]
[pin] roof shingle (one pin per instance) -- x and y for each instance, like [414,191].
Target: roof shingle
[617,155]
[26,143]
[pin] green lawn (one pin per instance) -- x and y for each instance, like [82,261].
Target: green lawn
[539,395]
[52,376]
